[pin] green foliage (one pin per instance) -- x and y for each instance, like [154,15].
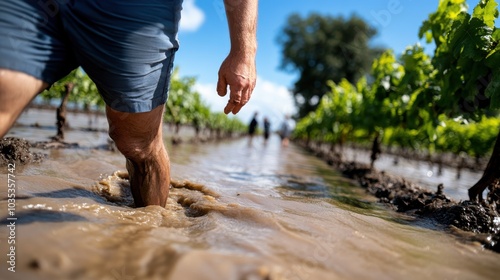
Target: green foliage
[333,117]
[383,95]
[487,12]
[185,107]
[323,48]
[446,103]
[465,58]
[84,94]
[182,100]
[475,139]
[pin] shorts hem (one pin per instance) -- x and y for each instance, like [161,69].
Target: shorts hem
[129,106]
[28,70]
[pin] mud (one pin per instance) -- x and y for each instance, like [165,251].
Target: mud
[16,150]
[475,221]
[54,144]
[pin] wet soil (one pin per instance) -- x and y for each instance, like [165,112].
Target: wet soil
[16,150]
[477,221]
[54,144]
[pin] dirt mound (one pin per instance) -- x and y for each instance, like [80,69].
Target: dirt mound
[476,221]
[482,219]
[16,150]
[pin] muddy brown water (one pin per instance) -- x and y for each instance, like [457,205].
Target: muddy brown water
[238,210]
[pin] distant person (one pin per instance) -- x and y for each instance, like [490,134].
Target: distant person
[252,127]
[267,128]
[285,131]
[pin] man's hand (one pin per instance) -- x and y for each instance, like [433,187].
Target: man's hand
[238,72]
[238,69]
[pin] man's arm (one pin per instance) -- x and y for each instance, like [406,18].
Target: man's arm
[238,69]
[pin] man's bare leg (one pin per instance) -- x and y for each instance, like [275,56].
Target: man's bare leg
[16,91]
[139,137]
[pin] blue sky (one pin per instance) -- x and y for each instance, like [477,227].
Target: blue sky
[204,40]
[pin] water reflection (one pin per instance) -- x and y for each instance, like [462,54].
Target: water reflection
[289,171]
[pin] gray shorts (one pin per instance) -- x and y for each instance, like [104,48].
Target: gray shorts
[127,47]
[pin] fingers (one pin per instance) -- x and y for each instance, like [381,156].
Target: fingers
[238,97]
[234,103]
[221,86]
[232,107]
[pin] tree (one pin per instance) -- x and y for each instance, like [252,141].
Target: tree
[323,48]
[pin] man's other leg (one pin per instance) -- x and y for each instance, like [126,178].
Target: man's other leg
[139,137]
[16,91]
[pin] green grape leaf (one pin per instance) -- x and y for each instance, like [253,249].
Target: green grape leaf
[486,11]
[496,34]
[471,38]
[425,29]
[493,90]
[493,57]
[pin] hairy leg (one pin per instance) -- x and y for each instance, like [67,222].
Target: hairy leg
[138,136]
[16,91]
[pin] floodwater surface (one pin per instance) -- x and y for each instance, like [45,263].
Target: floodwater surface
[237,210]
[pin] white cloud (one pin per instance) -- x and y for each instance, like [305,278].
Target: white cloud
[269,99]
[192,16]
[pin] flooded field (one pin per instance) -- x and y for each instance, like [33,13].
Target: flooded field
[237,210]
